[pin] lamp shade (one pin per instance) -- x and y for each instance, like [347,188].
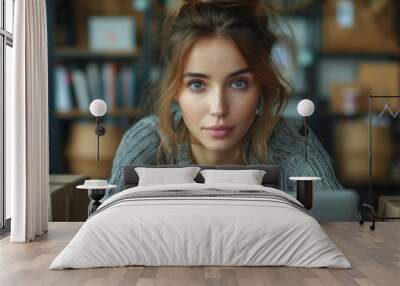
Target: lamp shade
[305,107]
[98,107]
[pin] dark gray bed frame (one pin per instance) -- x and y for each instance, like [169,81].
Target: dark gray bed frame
[273,177]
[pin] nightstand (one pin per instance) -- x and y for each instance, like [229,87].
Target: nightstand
[304,190]
[65,204]
[95,193]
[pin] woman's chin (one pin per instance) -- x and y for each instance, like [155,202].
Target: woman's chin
[219,145]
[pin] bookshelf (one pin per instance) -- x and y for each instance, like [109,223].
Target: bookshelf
[328,66]
[80,73]
[72,50]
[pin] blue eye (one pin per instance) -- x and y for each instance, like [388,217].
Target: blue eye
[239,84]
[196,85]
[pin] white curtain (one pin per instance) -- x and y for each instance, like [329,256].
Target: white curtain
[27,155]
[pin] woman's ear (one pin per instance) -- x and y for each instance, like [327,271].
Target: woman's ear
[175,100]
[175,104]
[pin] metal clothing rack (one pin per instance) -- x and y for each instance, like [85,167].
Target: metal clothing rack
[371,205]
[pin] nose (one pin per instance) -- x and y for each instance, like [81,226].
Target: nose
[218,103]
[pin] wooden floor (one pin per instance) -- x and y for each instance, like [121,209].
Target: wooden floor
[374,255]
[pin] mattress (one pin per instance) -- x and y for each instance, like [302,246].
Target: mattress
[201,225]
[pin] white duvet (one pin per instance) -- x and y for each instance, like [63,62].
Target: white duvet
[207,230]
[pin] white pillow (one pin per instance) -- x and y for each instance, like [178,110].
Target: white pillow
[162,176]
[248,177]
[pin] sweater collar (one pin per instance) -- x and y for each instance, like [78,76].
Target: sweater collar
[183,157]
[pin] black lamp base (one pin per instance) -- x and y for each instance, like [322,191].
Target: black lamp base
[95,196]
[303,131]
[305,193]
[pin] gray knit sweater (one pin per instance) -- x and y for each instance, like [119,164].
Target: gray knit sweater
[139,147]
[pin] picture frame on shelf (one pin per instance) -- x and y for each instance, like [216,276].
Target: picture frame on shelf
[111,33]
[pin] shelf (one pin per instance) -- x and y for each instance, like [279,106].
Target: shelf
[74,54]
[357,56]
[116,112]
[340,116]
[358,115]
[312,10]
[311,14]
[389,184]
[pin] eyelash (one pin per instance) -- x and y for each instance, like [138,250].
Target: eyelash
[199,81]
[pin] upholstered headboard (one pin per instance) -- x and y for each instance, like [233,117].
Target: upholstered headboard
[272,178]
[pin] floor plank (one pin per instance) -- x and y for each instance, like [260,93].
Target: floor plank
[374,255]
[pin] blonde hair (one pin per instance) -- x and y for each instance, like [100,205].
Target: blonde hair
[247,24]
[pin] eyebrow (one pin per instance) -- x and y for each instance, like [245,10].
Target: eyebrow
[193,74]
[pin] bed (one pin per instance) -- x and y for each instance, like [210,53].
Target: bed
[201,224]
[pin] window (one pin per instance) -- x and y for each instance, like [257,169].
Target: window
[6,43]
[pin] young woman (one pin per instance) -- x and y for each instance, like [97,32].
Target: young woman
[221,98]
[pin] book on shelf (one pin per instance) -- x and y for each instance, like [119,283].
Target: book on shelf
[128,85]
[118,89]
[62,100]
[109,77]
[80,86]
[77,86]
[94,82]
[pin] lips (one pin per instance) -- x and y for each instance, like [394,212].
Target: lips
[219,132]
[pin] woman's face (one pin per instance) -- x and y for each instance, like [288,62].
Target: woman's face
[219,95]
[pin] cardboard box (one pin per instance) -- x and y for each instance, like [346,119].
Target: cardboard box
[392,209]
[359,26]
[352,147]
[81,150]
[383,201]
[381,79]
[348,98]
